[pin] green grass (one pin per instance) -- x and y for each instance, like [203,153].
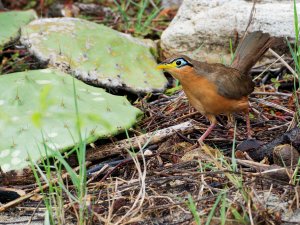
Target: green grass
[213,209]
[296,176]
[193,208]
[295,52]
[242,219]
[223,209]
[137,16]
[233,159]
[48,171]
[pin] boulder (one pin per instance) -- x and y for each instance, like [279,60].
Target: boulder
[171,3]
[203,29]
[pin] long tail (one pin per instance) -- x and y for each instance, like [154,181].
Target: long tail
[250,50]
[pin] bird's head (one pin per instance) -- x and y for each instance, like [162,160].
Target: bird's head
[177,66]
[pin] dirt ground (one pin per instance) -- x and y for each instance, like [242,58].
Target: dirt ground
[175,176]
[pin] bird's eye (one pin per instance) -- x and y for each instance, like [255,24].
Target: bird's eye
[178,62]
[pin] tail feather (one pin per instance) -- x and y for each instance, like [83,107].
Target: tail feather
[250,50]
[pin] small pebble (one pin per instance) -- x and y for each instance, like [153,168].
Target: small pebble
[148,152]
[168,165]
[285,155]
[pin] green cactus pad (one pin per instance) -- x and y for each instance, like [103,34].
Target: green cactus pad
[94,53]
[40,102]
[11,22]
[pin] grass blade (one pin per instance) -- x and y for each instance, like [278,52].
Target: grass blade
[192,207]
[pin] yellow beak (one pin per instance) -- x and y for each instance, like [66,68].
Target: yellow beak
[166,66]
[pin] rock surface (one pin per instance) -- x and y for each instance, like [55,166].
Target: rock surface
[39,102]
[94,53]
[11,22]
[202,29]
[285,155]
[171,3]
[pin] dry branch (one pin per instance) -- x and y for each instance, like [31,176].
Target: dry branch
[35,191]
[284,63]
[155,137]
[274,105]
[271,171]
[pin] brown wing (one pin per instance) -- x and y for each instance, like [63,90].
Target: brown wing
[230,82]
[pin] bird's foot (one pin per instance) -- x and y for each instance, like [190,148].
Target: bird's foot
[230,121]
[229,125]
[206,133]
[249,130]
[249,133]
[201,141]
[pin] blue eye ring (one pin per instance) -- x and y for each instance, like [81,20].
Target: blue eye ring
[180,62]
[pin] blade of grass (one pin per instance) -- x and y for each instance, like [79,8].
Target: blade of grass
[238,216]
[223,209]
[213,209]
[123,14]
[192,207]
[233,159]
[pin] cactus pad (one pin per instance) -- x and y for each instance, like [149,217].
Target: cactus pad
[37,108]
[94,53]
[11,22]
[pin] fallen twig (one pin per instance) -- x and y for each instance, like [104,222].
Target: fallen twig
[271,104]
[122,146]
[271,93]
[284,63]
[35,191]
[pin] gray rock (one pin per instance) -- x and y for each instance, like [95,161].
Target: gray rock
[292,218]
[171,3]
[202,29]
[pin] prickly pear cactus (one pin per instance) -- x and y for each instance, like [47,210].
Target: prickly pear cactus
[38,107]
[11,22]
[94,53]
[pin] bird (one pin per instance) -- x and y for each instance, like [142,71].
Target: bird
[214,88]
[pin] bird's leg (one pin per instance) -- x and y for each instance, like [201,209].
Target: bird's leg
[213,122]
[248,124]
[206,133]
[230,120]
